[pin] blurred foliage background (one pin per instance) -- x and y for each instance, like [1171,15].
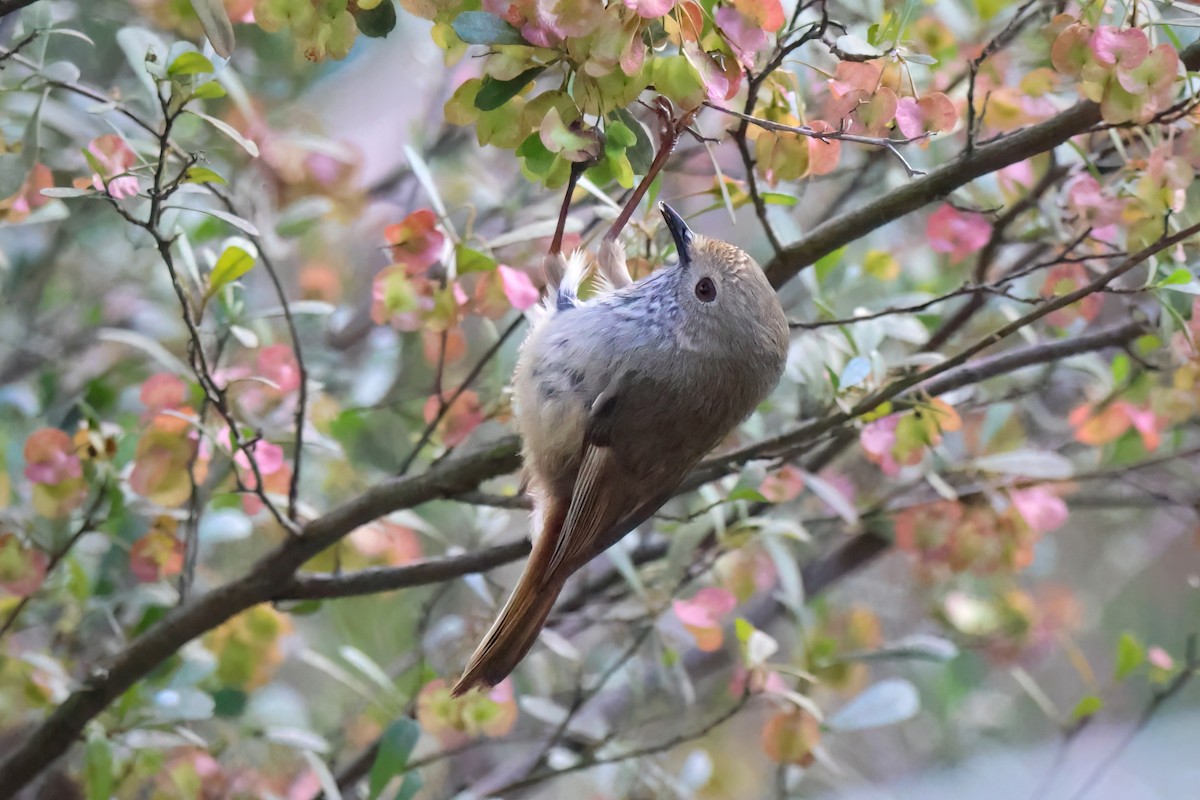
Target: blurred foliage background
[986,591]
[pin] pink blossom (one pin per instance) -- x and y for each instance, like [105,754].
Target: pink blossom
[278,364]
[50,457]
[958,233]
[877,439]
[519,290]
[268,456]
[1088,198]
[162,390]
[1041,509]
[1160,658]
[934,113]
[1016,175]
[114,158]
[1125,48]
[416,242]
[746,38]
[650,9]
[701,615]
[1146,423]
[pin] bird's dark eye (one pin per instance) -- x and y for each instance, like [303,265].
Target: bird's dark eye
[706,290]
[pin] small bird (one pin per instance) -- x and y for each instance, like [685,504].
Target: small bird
[617,398]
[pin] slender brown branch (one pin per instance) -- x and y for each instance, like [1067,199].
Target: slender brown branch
[577,169]
[445,407]
[88,523]
[55,734]
[884,142]
[381,579]
[984,159]
[672,129]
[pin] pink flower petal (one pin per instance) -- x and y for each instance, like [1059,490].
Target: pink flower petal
[1126,48]
[519,290]
[746,38]
[650,9]
[956,232]
[1041,509]
[1160,658]
[162,390]
[278,364]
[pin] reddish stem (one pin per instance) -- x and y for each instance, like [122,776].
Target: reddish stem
[672,130]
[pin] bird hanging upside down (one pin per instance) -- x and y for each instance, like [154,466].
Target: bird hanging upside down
[617,399]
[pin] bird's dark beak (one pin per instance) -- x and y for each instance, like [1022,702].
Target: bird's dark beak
[679,231]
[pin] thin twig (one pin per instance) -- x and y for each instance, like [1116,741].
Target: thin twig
[826,136]
[445,407]
[88,523]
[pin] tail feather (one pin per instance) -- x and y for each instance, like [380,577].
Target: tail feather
[524,614]
[512,635]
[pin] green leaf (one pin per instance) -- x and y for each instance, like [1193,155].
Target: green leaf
[888,702]
[1130,655]
[494,93]
[538,160]
[1120,369]
[217,27]
[395,746]
[480,27]
[826,263]
[224,127]
[208,91]
[302,215]
[779,199]
[99,769]
[1086,707]
[620,135]
[376,22]
[189,63]
[233,264]
[917,647]
[66,191]
[469,260]
[1179,276]
[409,788]
[747,493]
[202,175]
[229,702]
[641,152]
[234,220]
[13,171]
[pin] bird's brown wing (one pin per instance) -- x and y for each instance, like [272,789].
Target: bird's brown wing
[601,495]
[603,491]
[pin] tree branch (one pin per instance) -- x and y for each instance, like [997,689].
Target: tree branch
[984,159]
[55,734]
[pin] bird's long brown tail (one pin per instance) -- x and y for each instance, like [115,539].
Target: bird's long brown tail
[520,621]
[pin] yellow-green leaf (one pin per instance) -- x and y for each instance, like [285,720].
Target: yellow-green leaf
[202,175]
[1130,655]
[209,91]
[1086,707]
[233,264]
[189,63]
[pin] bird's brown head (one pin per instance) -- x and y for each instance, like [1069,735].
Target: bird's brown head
[719,281]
